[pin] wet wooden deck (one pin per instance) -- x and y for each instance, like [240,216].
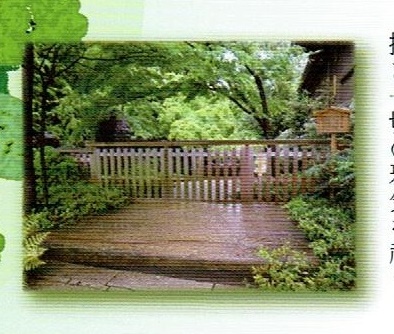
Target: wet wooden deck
[193,240]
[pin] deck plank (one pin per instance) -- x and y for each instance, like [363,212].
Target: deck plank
[182,238]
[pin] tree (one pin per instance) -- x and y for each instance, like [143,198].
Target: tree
[139,79]
[22,23]
[47,68]
[204,118]
[261,79]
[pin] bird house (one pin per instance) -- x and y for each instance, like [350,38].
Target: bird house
[332,120]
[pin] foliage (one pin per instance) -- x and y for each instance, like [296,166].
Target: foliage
[328,227]
[70,198]
[10,137]
[261,79]
[330,231]
[284,269]
[204,118]
[327,219]
[34,235]
[252,85]
[68,203]
[4,78]
[2,242]
[81,198]
[61,169]
[71,195]
[337,179]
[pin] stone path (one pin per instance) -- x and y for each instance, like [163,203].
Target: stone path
[191,244]
[60,276]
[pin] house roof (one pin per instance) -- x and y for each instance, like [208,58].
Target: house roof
[329,58]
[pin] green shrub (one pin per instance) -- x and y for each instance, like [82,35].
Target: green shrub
[60,169]
[336,179]
[284,269]
[69,202]
[330,230]
[70,198]
[2,242]
[335,274]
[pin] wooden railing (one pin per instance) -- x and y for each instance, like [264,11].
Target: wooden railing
[229,170]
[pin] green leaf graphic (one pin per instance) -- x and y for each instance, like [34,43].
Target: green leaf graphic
[2,242]
[53,21]
[11,139]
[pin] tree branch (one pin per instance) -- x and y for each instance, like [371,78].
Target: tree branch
[260,88]
[263,120]
[239,105]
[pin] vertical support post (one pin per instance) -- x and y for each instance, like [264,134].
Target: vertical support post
[247,174]
[95,164]
[166,173]
[334,144]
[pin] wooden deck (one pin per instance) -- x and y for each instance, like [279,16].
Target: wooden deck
[203,241]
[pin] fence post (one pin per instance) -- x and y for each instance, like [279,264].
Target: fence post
[94,163]
[247,174]
[167,180]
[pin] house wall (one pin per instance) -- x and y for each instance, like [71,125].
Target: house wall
[330,62]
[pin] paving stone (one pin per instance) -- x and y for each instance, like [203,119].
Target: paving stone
[137,281]
[67,276]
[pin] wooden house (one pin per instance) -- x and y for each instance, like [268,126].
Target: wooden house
[330,72]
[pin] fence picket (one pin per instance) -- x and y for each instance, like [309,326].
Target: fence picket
[206,170]
[126,171]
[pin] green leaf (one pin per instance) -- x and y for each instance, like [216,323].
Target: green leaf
[11,139]
[56,21]
[2,242]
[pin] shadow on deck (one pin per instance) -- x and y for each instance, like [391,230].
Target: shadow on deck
[208,242]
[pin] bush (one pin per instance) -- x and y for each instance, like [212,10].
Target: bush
[326,226]
[84,199]
[330,230]
[68,203]
[60,169]
[336,179]
[285,269]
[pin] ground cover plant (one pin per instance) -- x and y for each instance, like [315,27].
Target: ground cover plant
[327,218]
[70,196]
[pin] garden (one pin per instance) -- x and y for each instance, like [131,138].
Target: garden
[178,91]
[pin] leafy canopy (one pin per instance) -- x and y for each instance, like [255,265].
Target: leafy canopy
[174,90]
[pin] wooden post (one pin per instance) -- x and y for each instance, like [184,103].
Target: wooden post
[334,145]
[166,173]
[247,177]
[95,164]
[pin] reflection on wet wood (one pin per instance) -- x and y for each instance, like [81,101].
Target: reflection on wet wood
[180,238]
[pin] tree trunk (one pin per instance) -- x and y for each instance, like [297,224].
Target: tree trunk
[30,194]
[262,120]
[43,163]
